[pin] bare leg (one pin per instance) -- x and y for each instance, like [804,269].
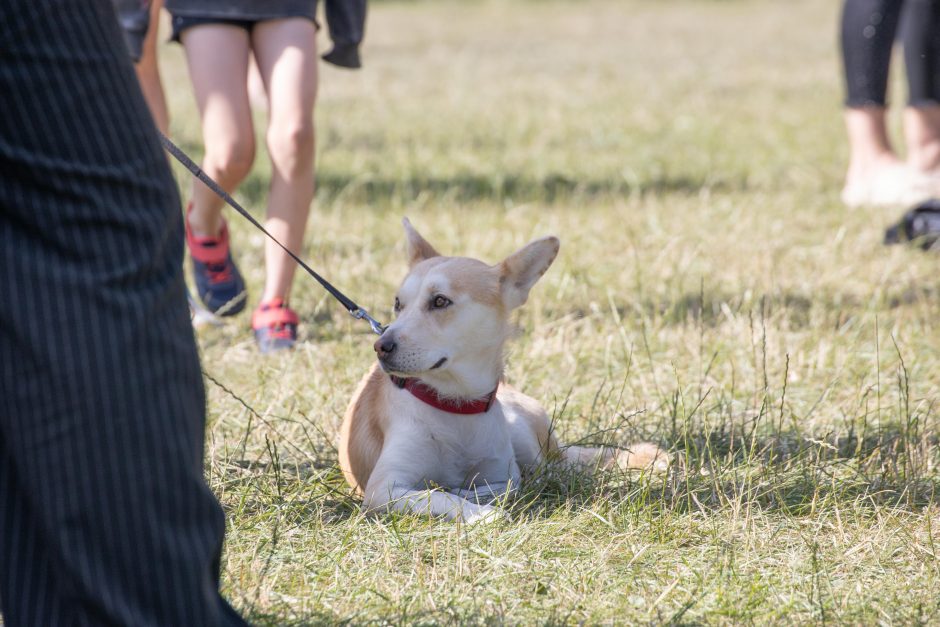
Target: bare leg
[286,54]
[920,33]
[869,146]
[875,174]
[218,64]
[868,29]
[148,72]
[922,134]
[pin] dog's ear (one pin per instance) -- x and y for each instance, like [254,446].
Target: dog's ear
[519,272]
[418,247]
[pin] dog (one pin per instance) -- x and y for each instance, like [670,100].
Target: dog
[432,428]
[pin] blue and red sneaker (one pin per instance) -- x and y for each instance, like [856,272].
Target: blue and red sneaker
[275,326]
[218,282]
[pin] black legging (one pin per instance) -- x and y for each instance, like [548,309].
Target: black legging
[868,34]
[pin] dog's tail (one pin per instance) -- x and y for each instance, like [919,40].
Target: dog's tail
[642,456]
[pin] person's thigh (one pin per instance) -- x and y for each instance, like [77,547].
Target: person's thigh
[101,399]
[286,51]
[218,56]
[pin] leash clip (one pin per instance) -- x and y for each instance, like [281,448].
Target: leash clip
[362,314]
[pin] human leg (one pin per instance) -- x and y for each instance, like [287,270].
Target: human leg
[217,55]
[867,36]
[920,33]
[148,72]
[105,516]
[868,29]
[286,54]
[218,64]
[140,21]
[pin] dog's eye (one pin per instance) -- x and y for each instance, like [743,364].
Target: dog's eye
[440,302]
[397,305]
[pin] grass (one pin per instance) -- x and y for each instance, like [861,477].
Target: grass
[712,294]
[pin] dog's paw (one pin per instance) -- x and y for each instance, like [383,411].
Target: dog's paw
[482,515]
[644,456]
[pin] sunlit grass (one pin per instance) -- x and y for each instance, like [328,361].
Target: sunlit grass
[711,294]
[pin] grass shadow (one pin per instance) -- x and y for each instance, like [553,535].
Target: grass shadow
[333,186]
[796,310]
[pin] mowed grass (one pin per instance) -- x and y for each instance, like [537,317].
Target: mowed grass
[711,295]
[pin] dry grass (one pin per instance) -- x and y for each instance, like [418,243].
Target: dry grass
[711,294]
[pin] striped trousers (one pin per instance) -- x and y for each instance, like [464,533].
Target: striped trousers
[105,515]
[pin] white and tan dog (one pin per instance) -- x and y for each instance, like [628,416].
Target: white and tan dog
[431,427]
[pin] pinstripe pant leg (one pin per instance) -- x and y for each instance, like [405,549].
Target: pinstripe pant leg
[105,516]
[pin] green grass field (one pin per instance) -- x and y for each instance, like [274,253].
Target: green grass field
[712,294]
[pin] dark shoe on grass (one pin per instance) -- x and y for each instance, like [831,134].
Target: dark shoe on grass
[219,284]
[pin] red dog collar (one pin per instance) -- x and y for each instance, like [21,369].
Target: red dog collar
[429,395]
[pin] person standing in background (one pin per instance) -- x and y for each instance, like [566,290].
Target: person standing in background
[140,21]
[876,174]
[219,37]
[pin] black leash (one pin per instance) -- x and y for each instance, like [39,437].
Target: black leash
[355,310]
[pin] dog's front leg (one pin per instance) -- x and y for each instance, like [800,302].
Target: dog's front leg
[391,496]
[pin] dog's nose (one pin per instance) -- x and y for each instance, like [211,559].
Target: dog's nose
[384,347]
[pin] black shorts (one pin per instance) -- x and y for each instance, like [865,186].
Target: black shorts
[182,22]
